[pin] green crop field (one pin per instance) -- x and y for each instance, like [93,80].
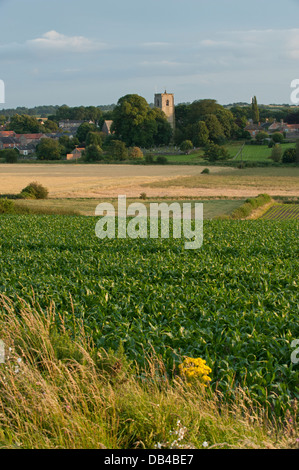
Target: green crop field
[282,212]
[233,303]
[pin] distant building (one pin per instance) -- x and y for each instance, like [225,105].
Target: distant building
[253,129]
[165,101]
[77,153]
[107,127]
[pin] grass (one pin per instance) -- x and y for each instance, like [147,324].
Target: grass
[253,153]
[262,179]
[57,392]
[212,208]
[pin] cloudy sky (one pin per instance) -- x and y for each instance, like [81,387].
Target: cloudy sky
[92,52]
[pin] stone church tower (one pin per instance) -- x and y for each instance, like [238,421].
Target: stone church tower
[165,101]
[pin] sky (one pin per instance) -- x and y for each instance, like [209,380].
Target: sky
[93,52]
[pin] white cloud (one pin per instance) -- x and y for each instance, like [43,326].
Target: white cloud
[52,40]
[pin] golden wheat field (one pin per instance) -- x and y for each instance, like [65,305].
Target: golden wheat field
[90,181]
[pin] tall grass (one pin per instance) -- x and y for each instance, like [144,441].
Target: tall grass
[62,392]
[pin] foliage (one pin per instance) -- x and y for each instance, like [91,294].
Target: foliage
[84,129]
[250,204]
[235,304]
[118,150]
[215,152]
[255,111]
[261,136]
[6,206]
[48,149]
[135,153]
[34,191]
[93,153]
[67,144]
[10,155]
[136,124]
[186,146]
[277,137]
[276,154]
[289,156]
[161,160]
[205,171]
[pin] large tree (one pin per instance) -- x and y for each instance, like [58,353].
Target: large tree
[48,149]
[135,123]
[255,111]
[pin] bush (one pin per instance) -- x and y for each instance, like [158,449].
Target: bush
[216,152]
[276,153]
[250,204]
[277,137]
[135,153]
[161,160]
[34,191]
[149,158]
[6,206]
[289,156]
[142,196]
[186,146]
[10,155]
[206,171]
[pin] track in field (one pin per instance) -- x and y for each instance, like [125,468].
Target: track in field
[282,212]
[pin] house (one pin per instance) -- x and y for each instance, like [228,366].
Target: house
[70,126]
[253,129]
[30,138]
[8,142]
[107,127]
[77,153]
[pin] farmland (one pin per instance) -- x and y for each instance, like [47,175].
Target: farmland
[233,303]
[282,212]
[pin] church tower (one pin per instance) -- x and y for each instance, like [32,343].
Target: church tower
[165,101]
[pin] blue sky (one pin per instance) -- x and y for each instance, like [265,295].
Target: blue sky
[93,52]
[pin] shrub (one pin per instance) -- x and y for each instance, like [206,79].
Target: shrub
[10,155]
[34,191]
[135,153]
[215,152]
[149,158]
[161,160]
[289,156]
[6,206]
[276,153]
[93,153]
[206,171]
[186,146]
[277,137]
[142,196]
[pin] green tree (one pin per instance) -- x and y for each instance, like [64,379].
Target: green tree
[186,146]
[136,124]
[10,155]
[201,134]
[48,149]
[276,154]
[118,150]
[261,136]
[93,153]
[94,138]
[215,152]
[216,132]
[67,144]
[255,111]
[84,130]
[277,137]
[289,156]
[25,125]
